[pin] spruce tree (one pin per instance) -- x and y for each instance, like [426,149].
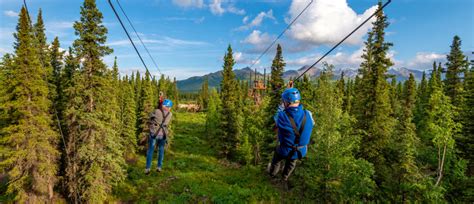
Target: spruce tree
[373,111]
[331,173]
[127,117]
[455,67]
[44,53]
[212,116]
[468,122]
[175,92]
[56,61]
[421,102]
[145,106]
[94,162]
[138,88]
[32,162]
[6,67]
[341,84]
[230,122]
[406,173]
[348,96]
[276,81]
[204,94]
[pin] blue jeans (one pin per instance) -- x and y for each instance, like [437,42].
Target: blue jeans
[151,147]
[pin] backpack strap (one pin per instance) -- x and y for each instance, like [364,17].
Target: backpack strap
[295,147]
[162,126]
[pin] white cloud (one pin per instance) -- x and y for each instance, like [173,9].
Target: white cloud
[10,13]
[258,39]
[234,10]
[189,3]
[423,60]
[195,20]
[245,20]
[166,41]
[257,21]
[238,56]
[217,9]
[327,21]
[339,59]
[241,58]
[56,25]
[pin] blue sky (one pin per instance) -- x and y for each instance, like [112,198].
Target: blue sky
[190,37]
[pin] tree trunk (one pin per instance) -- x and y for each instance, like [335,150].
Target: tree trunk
[440,175]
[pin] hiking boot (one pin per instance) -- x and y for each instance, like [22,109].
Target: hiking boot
[158,169]
[287,186]
[147,171]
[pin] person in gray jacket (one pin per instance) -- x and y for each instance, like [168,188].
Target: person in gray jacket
[159,121]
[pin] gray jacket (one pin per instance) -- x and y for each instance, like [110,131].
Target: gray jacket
[156,119]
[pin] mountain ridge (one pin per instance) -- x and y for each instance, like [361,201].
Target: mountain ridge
[193,84]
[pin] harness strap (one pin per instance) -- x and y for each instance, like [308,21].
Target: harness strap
[162,126]
[295,147]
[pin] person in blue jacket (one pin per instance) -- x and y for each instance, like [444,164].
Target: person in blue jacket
[294,126]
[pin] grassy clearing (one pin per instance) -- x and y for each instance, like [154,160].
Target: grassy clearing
[192,173]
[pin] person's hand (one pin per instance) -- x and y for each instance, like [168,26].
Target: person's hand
[290,84]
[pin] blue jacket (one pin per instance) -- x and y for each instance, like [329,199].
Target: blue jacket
[286,135]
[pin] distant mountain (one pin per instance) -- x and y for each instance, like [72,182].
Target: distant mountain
[193,84]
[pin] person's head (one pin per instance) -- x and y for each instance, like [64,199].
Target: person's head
[167,104]
[291,97]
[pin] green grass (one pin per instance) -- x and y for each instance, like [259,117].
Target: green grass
[193,173]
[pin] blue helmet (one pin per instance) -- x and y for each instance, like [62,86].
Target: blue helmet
[291,95]
[168,103]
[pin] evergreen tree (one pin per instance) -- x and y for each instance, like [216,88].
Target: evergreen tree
[406,173]
[331,173]
[44,53]
[373,112]
[6,67]
[127,117]
[32,163]
[175,91]
[230,121]
[138,89]
[95,161]
[421,103]
[341,84]
[212,116]
[204,94]
[455,66]
[467,141]
[56,62]
[348,96]
[145,106]
[395,90]
[276,81]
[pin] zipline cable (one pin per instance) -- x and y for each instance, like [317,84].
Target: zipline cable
[138,36]
[281,34]
[128,35]
[344,39]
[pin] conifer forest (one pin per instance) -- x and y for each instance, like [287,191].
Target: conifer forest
[72,128]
